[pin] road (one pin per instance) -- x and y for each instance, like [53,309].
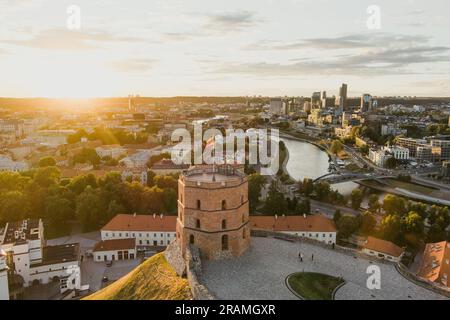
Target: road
[329,209]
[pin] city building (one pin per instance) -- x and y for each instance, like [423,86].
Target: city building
[277,106]
[366,102]
[316,227]
[445,171]
[4,284]
[113,151]
[12,126]
[323,99]
[411,144]
[213,211]
[316,100]
[149,231]
[380,156]
[392,129]
[167,167]
[31,259]
[382,249]
[7,164]
[341,100]
[320,117]
[435,264]
[117,249]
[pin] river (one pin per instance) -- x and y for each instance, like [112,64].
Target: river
[308,161]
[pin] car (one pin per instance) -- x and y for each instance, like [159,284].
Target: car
[105,279]
[109,263]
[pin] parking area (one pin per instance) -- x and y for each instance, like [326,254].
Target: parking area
[92,273]
[261,272]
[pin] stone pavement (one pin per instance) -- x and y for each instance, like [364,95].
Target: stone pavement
[261,272]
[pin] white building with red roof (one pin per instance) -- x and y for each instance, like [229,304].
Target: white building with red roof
[316,227]
[147,230]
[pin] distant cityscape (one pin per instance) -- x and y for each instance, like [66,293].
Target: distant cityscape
[91,194]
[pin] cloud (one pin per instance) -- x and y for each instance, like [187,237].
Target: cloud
[132,65]
[353,41]
[378,61]
[69,40]
[232,21]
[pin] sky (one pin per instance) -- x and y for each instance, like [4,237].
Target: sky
[223,48]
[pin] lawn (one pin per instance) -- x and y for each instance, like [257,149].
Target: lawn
[410,186]
[314,286]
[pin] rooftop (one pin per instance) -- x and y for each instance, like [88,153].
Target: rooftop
[383,246]
[210,173]
[21,231]
[313,223]
[59,254]
[435,266]
[115,244]
[129,222]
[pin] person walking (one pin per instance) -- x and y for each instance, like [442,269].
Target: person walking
[300,256]
[312,257]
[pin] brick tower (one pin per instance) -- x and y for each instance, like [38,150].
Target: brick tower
[213,212]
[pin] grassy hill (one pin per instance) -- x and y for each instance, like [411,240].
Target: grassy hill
[154,279]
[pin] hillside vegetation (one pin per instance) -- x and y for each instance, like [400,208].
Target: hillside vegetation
[155,279]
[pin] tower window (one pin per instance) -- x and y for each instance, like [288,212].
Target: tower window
[191,239]
[242,199]
[224,224]
[243,233]
[224,204]
[199,204]
[197,224]
[224,242]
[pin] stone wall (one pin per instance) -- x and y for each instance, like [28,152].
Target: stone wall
[175,259]
[189,266]
[194,272]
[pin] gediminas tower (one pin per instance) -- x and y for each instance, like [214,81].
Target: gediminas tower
[213,211]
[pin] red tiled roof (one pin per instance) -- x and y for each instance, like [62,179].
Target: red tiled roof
[383,246]
[129,222]
[115,244]
[436,263]
[314,223]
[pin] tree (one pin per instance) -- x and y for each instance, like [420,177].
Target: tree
[14,206]
[357,198]
[413,226]
[47,162]
[91,210]
[166,182]
[255,184]
[303,207]
[337,216]
[368,223]
[87,155]
[322,190]
[391,228]
[346,226]
[374,204]
[170,200]
[47,176]
[58,211]
[275,203]
[79,183]
[336,147]
[391,163]
[394,205]
[307,186]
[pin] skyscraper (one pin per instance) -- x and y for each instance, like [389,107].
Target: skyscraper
[323,99]
[341,100]
[366,102]
[315,99]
